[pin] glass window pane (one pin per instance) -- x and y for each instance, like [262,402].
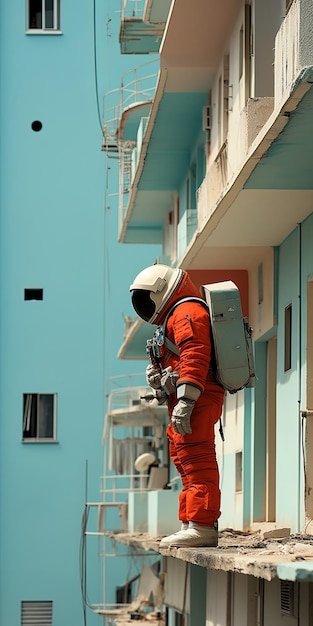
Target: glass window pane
[45,416]
[49,13]
[35,14]
[29,415]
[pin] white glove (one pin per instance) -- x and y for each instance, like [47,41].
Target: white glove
[181,416]
[160,395]
[153,376]
[168,380]
[156,398]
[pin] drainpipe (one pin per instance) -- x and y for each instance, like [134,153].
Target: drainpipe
[300,422]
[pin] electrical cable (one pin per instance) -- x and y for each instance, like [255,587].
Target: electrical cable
[83,565]
[96,65]
[300,426]
[303,417]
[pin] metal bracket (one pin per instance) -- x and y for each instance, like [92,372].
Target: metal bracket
[306,413]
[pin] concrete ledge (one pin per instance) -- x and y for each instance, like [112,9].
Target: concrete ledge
[243,553]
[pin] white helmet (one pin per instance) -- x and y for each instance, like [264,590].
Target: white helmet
[153,288]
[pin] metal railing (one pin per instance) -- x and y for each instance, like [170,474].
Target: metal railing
[132,8]
[137,87]
[132,426]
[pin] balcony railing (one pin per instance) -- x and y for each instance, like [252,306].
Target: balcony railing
[132,8]
[132,426]
[293,52]
[137,87]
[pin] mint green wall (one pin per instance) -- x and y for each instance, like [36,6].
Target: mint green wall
[288,459]
[55,234]
[258,465]
[295,267]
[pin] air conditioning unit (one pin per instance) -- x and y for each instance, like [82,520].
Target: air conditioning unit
[206,118]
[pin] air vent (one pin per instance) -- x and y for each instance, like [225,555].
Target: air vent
[39,613]
[287,594]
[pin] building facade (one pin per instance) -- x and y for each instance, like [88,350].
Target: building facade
[215,167]
[53,284]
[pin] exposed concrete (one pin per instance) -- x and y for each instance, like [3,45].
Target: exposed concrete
[258,111]
[244,553]
[276,533]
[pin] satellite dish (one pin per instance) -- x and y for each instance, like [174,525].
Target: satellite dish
[143,461]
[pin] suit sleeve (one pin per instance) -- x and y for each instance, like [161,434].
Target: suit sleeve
[190,327]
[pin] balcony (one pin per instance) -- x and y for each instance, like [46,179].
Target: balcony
[190,51]
[135,484]
[263,178]
[293,50]
[142,25]
[126,112]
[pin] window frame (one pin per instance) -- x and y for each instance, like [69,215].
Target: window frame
[44,29]
[38,438]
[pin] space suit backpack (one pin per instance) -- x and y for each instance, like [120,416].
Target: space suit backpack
[231,335]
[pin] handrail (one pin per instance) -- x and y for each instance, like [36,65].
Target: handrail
[137,87]
[132,8]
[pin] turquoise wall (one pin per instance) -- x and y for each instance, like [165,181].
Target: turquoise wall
[295,268]
[53,235]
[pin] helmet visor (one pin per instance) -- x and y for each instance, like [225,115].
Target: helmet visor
[142,303]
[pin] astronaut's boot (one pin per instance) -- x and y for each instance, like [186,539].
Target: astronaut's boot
[194,536]
[167,541]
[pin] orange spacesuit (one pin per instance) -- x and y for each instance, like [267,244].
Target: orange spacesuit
[195,401]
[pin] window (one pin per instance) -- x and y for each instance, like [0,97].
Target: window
[246,52]
[238,471]
[191,188]
[287,351]
[33,294]
[241,52]
[36,613]
[288,5]
[260,284]
[220,109]
[179,619]
[226,96]
[43,15]
[39,416]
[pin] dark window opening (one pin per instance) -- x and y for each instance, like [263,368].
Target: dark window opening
[38,416]
[260,284]
[288,5]
[238,474]
[43,14]
[241,52]
[288,337]
[33,294]
[179,619]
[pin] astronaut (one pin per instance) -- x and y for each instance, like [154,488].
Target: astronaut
[185,377]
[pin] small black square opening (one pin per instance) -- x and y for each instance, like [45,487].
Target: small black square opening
[33,294]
